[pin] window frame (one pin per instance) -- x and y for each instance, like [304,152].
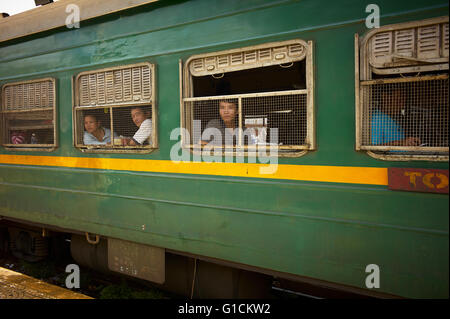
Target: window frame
[363,78]
[53,108]
[111,148]
[187,89]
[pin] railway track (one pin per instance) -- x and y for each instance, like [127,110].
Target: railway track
[92,283]
[110,286]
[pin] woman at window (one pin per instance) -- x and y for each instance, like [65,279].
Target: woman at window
[225,125]
[94,133]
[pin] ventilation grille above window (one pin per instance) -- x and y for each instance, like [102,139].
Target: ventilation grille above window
[130,85]
[445,40]
[427,44]
[29,95]
[247,58]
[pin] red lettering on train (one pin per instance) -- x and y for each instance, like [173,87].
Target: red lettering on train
[418,180]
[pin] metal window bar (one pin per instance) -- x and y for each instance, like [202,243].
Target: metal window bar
[257,113]
[402,115]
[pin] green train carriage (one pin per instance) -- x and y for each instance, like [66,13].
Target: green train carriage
[319,211]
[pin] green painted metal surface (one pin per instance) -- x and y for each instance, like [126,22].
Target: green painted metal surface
[319,230]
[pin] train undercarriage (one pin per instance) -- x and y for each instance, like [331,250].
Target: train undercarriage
[184,274]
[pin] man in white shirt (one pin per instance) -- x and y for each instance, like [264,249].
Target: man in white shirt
[140,118]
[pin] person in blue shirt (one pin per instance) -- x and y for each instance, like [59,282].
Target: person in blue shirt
[94,133]
[385,130]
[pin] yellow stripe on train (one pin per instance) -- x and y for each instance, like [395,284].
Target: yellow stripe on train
[331,174]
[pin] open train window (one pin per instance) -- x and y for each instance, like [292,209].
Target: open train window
[402,91]
[263,94]
[28,115]
[115,110]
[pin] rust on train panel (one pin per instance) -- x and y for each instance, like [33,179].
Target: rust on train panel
[418,180]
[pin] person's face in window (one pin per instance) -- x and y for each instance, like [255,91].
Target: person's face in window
[393,101]
[227,111]
[138,116]
[91,124]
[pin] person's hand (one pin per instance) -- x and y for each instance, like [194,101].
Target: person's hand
[412,141]
[126,141]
